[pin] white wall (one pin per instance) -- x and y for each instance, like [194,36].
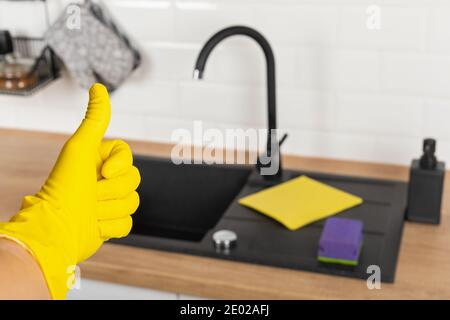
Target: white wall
[343,91]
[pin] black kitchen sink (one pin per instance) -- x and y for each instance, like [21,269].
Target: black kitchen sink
[184,201]
[182,206]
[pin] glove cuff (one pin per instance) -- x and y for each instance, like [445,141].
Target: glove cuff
[30,229]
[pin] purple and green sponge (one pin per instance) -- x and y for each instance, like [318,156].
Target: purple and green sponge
[341,241]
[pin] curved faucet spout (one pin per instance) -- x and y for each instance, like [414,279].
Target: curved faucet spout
[270,69]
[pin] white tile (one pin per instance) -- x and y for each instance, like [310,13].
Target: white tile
[161,129]
[439,32]
[400,28]
[144,97]
[244,105]
[436,113]
[367,147]
[299,24]
[127,126]
[329,69]
[63,93]
[380,115]
[356,70]
[59,107]
[198,20]
[314,110]
[314,68]
[416,74]
[144,20]
[23,18]
[167,61]
[50,119]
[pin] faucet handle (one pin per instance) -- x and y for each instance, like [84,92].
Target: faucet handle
[283,138]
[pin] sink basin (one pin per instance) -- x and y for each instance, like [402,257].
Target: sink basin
[183,206]
[184,201]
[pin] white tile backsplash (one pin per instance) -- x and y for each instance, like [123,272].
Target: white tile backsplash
[356,70]
[416,74]
[332,69]
[197,20]
[244,105]
[402,28]
[147,98]
[435,118]
[305,24]
[379,115]
[15,16]
[306,109]
[343,91]
[439,31]
[145,20]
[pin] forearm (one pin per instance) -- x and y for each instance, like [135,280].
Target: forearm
[20,275]
[88,198]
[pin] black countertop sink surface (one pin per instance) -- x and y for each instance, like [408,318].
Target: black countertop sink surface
[183,205]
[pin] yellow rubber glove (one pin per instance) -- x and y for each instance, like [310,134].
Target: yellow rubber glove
[87,199]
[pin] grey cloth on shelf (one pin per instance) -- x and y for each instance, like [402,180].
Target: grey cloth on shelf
[94,52]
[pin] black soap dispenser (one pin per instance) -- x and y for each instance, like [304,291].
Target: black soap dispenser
[426,184]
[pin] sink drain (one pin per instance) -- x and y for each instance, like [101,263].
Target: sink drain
[224,240]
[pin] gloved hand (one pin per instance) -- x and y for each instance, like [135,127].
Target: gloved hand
[87,199]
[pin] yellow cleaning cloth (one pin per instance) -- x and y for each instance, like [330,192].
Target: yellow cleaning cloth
[300,201]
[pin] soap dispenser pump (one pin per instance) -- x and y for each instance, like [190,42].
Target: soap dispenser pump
[426,184]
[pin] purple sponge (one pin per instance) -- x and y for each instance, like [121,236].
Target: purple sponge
[341,241]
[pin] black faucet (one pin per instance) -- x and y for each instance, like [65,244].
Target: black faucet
[272,143]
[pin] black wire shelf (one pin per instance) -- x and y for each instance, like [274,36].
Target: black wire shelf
[46,67]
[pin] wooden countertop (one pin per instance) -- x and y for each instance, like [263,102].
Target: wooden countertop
[423,270]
